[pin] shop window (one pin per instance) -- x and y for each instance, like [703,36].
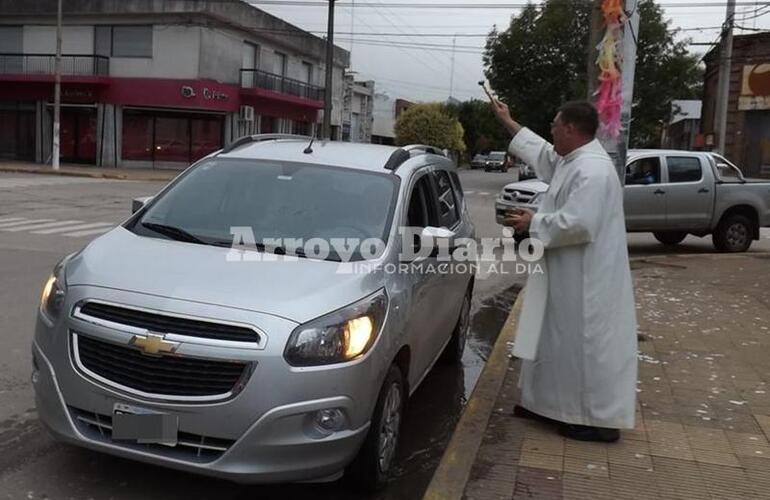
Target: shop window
[172,139]
[132,41]
[137,136]
[206,137]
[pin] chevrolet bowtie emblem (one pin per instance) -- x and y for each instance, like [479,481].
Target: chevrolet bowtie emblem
[153,344]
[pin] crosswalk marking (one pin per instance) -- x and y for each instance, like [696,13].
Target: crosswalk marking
[90,232]
[66,228]
[28,227]
[80,227]
[22,222]
[10,219]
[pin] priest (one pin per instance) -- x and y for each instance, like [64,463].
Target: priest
[577,331]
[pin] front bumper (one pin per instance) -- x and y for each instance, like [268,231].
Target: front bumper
[265,434]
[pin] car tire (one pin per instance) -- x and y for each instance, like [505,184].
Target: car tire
[373,466]
[453,352]
[734,234]
[670,238]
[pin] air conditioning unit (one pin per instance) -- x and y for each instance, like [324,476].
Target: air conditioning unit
[247,113]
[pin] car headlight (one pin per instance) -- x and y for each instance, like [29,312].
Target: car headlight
[340,336]
[535,200]
[54,291]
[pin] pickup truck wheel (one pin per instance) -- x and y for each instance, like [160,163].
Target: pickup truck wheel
[670,238]
[374,464]
[733,234]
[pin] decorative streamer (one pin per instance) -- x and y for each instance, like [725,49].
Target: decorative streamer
[609,96]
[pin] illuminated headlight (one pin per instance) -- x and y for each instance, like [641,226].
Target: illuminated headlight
[338,337]
[54,290]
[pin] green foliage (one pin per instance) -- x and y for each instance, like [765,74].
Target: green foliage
[540,62]
[430,124]
[482,131]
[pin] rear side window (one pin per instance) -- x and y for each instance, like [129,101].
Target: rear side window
[684,169]
[447,201]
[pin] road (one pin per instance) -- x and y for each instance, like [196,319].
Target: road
[43,218]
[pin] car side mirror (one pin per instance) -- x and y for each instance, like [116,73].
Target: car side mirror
[138,203]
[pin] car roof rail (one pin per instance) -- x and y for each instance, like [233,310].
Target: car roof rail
[249,139]
[432,150]
[402,154]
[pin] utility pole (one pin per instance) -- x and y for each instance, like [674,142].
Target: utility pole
[327,132]
[57,91]
[594,38]
[352,30]
[628,71]
[452,75]
[725,65]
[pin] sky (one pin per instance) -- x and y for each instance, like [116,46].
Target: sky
[384,38]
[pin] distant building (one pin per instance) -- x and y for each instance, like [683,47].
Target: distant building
[748,113]
[683,131]
[157,83]
[386,112]
[358,110]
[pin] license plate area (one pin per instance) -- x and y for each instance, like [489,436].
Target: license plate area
[132,423]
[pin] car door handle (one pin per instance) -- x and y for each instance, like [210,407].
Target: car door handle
[703,190]
[659,191]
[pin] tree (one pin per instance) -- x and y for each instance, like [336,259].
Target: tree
[539,62]
[430,124]
[482,132]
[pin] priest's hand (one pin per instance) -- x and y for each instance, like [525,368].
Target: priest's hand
[503,114]
[519,219]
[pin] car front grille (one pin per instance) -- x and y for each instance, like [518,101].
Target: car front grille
[189,447]
[517,195]
[159,376]
[163,323]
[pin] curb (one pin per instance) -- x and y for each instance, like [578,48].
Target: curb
[453,472]
[91,175]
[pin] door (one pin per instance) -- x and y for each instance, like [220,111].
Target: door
[644,200]
[77,135]
[689,193]
[425,286]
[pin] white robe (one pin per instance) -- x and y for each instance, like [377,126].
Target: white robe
[577,331]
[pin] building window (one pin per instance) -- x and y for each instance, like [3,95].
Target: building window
[170,137]
[11,39]
[279,64]
[132,41]
[307,73]
[302,128]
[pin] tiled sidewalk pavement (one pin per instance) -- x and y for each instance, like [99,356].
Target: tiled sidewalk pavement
[703,416]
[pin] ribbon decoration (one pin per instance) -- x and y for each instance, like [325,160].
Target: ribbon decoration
[609,99]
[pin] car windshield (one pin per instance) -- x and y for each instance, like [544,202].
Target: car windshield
[496,156]
[276,200]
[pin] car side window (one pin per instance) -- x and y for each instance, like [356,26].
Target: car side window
[458,187]
[421,212]
[643,172]
[683,169]
[447,202]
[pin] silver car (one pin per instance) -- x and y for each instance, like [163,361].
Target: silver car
[163,342]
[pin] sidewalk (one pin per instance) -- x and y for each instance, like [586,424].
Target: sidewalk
[703,414]
[134,174]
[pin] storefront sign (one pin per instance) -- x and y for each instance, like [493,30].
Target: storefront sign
[755,92]
[208,94]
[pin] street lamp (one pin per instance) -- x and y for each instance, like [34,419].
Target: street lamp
[327,125]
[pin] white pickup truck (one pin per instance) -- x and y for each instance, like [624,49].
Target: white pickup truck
[675,193]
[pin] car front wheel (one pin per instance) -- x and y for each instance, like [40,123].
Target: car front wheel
[374,464]
[670,238]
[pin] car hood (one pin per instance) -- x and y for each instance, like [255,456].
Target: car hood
[291,288]
[534,185]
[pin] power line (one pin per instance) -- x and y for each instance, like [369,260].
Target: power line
[477,6]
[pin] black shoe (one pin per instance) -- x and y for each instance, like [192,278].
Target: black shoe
[588,433]
[521,412]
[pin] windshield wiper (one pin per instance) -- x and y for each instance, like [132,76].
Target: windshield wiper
[173,232]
